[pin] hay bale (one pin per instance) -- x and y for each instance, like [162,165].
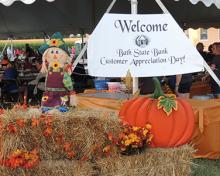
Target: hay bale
[153,162]
[84,129]
[53,168]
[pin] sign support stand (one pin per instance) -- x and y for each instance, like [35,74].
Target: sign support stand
[134,10]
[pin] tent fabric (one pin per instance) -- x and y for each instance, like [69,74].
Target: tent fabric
[10,2]
[207,2]
[81,16]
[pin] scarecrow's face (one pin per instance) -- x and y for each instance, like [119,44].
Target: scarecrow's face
[56,57]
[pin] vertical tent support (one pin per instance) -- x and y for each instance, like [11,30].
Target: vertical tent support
[1,54]
[207,67]
[11,50]
[86,45]
[134,10]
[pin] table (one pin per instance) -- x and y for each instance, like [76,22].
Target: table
[200,88]
[27,78]
[206,136]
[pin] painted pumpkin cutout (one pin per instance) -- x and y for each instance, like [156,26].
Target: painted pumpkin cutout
[172,118]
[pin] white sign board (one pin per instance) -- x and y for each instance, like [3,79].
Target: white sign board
[147,45]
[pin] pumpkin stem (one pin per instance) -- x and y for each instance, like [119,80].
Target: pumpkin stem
[157,89]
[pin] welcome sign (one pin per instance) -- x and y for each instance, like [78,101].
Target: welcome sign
[147,45]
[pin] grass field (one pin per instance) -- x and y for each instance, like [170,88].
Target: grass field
[205,167]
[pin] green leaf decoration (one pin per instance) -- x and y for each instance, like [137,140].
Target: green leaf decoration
[168,103]
[67,81]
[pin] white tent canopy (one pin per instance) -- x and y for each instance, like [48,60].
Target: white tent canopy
[81,16]
[206,2]
[10,2]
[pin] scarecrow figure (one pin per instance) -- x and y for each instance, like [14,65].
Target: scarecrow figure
[57,66]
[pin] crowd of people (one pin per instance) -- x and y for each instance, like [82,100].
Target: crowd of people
[12,73]
[213,59]
[181,84]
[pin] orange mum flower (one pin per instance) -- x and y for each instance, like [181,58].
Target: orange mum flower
[84,158]
[47,132]
[67,146]
[107,149]
[48,121]
[1,111]
[35,122]
[71,154]
[59,139]
[20,122]
[11,128]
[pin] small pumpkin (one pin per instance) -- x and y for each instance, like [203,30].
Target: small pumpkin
[172,118]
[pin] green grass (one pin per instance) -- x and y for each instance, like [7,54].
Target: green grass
[205,167]
[33,45]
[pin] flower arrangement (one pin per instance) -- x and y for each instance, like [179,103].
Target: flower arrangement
[131,140]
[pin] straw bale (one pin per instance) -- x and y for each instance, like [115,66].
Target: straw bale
[82,128]
[85,129]
[53,168]
[153,162]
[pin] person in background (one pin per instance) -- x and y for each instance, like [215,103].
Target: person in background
[16,62]
[80,78]
[27,64]
[73,52]
[36,86]
[10,73]
[5,61]
[146,85]
[29,52]
[200,48]
[210,55]
[181,84]
[215,66]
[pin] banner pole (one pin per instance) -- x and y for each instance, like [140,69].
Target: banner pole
[3,50]
[134,10]
[86,45]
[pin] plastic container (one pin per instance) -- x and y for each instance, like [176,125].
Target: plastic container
[114,86]
[202,97]
[100,84]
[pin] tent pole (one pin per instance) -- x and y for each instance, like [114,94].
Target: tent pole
[162,6]
[207,67]
[82,44]
[134,10]
[1,54]
[12,50]
[86,45]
